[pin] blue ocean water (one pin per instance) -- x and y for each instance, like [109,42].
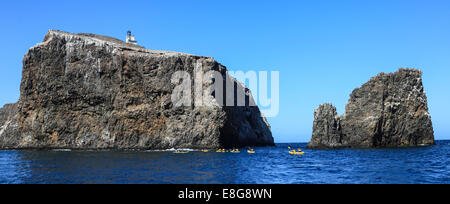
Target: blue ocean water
[270,165]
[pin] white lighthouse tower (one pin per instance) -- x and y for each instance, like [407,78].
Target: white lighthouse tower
[131,39]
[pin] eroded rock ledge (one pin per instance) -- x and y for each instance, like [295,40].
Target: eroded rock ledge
[390,111]
[85,91]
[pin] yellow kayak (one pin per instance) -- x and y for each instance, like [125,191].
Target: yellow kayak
[296,153]
[251,151]
[235,151]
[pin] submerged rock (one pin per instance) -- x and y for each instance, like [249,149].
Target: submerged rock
[390,110]
[85,91]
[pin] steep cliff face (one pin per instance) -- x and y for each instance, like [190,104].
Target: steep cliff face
[84,91]
[9,132]
[327,127]
[390,110]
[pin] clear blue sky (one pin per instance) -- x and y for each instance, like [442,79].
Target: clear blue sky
[323,49]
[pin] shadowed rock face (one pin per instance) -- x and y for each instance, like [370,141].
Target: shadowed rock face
[390,110]
[9,132]
[84,91]
[327,125]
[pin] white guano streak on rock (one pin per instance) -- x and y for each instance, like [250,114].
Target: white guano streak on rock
[3,128]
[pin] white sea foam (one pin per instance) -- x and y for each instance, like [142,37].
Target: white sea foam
[62,150]
[172,150]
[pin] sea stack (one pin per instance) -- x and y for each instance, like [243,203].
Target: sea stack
[389,111]
[86,91]
[9,130]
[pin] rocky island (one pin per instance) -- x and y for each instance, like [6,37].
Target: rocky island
[86,91]
[389,111]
